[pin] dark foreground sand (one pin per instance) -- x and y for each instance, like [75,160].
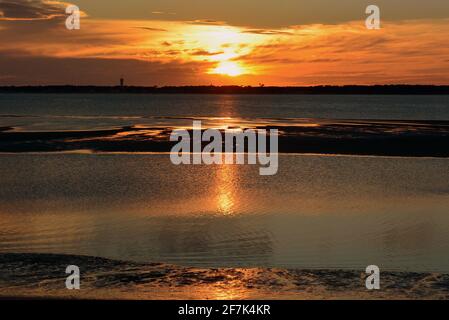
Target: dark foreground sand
[42,276]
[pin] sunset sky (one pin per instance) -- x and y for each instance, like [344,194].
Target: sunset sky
[243,42]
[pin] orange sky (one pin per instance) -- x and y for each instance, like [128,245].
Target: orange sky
[37,49]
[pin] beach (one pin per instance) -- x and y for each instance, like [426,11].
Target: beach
[96,188]
[110,279]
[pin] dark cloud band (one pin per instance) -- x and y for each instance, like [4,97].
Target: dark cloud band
[31,10]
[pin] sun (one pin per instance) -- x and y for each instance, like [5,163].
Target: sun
[228,68]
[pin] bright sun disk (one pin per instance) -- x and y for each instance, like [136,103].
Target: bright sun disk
[228,68]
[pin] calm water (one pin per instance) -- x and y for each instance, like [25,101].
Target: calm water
[317,212]
[78,111]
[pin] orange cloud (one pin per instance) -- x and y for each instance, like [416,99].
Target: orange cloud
[206,51]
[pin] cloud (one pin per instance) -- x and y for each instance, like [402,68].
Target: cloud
[152,29]
[31,10]
[19,69]
[201,52]
[208,22]
[268,32]
[163,13]
[406,52]
[43,51]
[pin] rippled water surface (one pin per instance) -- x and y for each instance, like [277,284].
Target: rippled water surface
[317,212]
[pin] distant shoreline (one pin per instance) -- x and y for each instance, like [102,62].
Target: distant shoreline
[315,90]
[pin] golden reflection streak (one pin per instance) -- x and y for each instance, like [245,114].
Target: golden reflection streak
[226,182]
[226,189]
[228,293]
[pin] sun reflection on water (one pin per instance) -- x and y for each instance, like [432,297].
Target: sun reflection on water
[226,187]
[226,293]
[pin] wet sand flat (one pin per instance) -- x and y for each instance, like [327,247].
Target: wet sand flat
[349,137]
[37,276]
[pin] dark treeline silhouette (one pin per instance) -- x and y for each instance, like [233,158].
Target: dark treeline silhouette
[352,89]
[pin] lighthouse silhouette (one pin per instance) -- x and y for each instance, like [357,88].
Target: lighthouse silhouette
[122,81]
